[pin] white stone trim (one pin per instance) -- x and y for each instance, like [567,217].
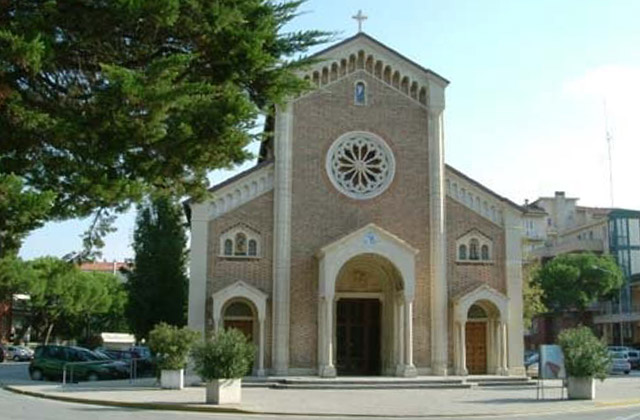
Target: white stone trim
[462,303]
[513,269]
[283,144]
[474,198]
[483,240]
[241,191]
[198,251]
[249,232]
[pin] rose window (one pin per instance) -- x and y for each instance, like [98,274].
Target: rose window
[360,165]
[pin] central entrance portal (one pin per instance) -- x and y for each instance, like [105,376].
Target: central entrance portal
[358,337]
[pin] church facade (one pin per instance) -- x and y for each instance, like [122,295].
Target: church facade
[351,248]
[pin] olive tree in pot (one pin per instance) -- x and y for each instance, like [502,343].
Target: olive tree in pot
[222,362]
[586,358]
[171,346]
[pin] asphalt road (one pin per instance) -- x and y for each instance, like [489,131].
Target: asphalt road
[20,407]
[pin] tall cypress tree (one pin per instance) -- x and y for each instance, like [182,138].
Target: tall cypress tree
[158,282]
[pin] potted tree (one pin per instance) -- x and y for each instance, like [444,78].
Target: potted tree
[171,346]
[586,358]
[222,362]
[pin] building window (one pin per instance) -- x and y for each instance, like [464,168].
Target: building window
[240,241]
[484,252]
[360,93]
[462,252]
[253,248]
[228,247]
[473,249]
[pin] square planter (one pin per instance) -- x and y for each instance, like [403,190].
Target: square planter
[172,379]
[224,391]
[581,388]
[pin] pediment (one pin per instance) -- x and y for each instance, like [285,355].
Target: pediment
[370,235]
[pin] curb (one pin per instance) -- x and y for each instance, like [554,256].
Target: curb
[599,406]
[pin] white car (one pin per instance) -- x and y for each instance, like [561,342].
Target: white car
[620,362]
[18,353]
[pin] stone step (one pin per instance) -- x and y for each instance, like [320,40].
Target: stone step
[408,385]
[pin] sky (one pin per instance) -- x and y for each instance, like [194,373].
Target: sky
[534,87]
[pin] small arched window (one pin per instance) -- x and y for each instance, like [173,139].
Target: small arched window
[473,249]
[241,244]
[360,94]
[228,247]
[253,248]
[462,252]
[484,252]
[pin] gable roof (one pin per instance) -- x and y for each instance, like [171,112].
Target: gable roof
[368,38]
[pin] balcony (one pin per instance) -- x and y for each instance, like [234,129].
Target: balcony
[571,245]
[609,313]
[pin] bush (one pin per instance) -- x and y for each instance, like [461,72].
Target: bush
[171,345]
[585,356]
[227,356]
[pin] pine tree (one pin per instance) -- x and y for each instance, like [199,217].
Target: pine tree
[158,282]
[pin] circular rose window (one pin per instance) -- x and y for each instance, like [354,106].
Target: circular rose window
[360,165]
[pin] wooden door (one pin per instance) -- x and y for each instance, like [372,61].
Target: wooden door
[245,326]
[358,337]
[476,347]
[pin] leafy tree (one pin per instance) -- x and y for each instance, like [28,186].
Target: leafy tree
[21,211]
[532,296]
[107,101]
[575,281]
[158,282]
[62,295]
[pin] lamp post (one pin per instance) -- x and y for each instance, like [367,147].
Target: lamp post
[620,323]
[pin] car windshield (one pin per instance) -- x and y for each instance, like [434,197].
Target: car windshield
[100,356]
[618,355]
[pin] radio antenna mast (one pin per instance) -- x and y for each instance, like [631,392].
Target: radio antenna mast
[609,137]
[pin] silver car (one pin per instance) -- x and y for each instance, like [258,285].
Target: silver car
[620,362]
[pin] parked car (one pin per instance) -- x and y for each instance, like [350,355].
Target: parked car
[620,362]
[3,354]
[18,353]
[634,358]
[618,348]
[50,362]
[144,365]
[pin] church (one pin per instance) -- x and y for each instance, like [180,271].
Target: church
[351,248]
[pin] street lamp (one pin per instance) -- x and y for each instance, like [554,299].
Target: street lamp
[621,323]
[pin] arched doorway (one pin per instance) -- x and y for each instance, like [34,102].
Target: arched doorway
[366,298]
[480,342]
[240,315]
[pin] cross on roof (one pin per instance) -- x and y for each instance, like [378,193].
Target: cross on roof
[360,18]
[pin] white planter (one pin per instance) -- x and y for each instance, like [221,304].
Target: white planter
[172,379]
[581,388]
[224,391]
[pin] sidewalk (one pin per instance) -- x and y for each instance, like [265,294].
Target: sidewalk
[395,403]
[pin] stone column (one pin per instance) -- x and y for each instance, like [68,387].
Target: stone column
[437,234]
[408,370]
[462,334]
[399,334]
[198,252]
[327,368]
[261,371]
[513,238]
[502,333]
[282,238]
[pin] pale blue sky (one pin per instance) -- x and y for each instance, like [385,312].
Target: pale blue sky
[524,109]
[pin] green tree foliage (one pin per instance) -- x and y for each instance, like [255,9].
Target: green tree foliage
[228,355]
[15,276]
[585,356]
[63,295]
[532,296]
[575,281]
[106,101]
[22,210]
[158,282]
[171,345]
